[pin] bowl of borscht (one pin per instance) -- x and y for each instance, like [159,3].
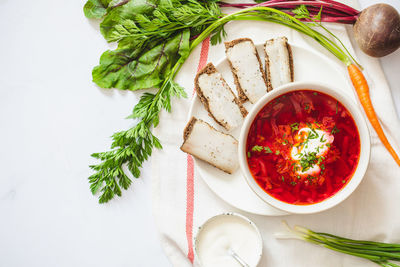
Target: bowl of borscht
[304,147]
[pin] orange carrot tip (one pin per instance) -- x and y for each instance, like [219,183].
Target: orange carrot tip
[362,89]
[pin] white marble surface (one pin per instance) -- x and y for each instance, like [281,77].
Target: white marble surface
[52,117]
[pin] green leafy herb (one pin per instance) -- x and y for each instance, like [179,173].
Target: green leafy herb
[132,147]
[310,178]
[294,126]
[267,150]
[248,154]
[257,148]
[308,160]
[140,67]
[335,130]
[277,152]
[301,12]
[312,136]
[95,9]
[140,62]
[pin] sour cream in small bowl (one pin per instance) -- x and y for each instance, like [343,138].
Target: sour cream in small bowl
[304,147]
[225,232]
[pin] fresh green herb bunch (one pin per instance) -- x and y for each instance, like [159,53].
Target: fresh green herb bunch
[150,38]
[153,42]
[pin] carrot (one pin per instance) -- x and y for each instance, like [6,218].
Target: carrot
[362,89]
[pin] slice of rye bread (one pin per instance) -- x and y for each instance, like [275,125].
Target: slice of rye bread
[267,62]
[211,157]
[210,69]
[241,94]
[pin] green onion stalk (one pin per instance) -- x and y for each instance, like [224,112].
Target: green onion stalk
[377,252]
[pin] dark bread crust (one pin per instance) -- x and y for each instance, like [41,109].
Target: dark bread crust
[289,48]
[268,71]
[241,93]
[267,62]
[232,43]
[210,69]
[188,130]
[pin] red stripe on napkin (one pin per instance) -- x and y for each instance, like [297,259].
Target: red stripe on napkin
[205,45]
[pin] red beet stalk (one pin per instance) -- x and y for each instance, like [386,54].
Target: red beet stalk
[332,11]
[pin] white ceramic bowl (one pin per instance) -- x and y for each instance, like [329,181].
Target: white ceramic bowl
[218,222]
[364,153]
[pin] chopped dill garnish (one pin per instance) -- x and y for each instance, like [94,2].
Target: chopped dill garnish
[308,160]
[312,135]
[261,148]
[257,148]
[294,126]
[267,149]
[335,130]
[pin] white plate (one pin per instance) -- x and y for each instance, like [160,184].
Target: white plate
[232,188]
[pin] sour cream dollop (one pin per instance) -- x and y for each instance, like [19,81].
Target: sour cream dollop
[310,142]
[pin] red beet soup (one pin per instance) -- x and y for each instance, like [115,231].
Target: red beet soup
[303,147]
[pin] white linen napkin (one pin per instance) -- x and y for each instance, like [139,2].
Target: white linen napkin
[371,212]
